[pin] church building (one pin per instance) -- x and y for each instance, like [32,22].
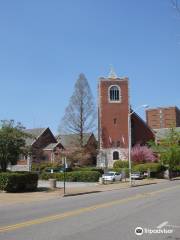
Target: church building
[113,110]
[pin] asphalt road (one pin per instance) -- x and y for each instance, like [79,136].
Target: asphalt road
[107,215]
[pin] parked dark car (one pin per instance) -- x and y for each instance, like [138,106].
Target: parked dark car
[57,170]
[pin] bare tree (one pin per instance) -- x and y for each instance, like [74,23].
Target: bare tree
[80,115]
[176,5]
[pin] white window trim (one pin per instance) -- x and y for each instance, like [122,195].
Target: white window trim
[120,96]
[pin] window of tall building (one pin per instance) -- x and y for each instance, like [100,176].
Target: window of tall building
[114,94]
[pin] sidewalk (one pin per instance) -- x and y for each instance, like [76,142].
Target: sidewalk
[45,194]
[111,186]
[60,184]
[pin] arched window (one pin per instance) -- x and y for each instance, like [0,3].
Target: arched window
[116,155]
[114,93]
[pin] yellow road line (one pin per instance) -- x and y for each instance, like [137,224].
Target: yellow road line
[81,210]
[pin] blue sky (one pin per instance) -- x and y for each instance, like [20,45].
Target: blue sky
[45,45]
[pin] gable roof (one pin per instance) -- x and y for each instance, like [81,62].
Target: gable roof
[135,115]
[35,133]
[72,140]
[51,146]
[162,133]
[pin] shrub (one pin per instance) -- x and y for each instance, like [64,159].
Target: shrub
[100,170]
[3,181]
[120,164]
[17,182]
[83,168]
[76,176]
[56,169]
[153,167]
[88,169]
[124,170]
[42,166]
[176,168]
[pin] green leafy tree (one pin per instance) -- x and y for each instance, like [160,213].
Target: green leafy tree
[12,143]
[169,150]
[171,146]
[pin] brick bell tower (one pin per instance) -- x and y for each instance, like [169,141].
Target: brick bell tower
[113,119]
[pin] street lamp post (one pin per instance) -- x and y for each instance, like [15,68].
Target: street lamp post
[130,139]
[129,147]
[64,170]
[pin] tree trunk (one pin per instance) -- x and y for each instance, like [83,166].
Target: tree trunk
[170,174]
[4,166]
[81,125]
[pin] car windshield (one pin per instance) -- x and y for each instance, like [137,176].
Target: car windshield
[109,174]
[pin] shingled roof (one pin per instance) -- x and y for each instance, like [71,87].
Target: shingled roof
[35,133]
[52,146]
[72,140]
[162,133]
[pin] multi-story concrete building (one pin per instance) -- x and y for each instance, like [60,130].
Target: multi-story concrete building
[113,113]
[163,117]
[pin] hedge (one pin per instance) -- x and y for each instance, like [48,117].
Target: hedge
[153,167]
[42,166]
[76,176]
[101,171]
[18,182]
[176,168]
[120,164]
[120,170]
[56,169]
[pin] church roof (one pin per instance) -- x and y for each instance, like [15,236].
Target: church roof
[51,146]
[34,133]
[162,133]
[72,140]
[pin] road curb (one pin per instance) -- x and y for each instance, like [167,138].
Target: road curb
[107,190]
[81,193]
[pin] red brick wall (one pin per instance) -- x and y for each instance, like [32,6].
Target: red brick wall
[37,148]
[54,156]
[163,117]
[111,132]
[47,155]
[177,117]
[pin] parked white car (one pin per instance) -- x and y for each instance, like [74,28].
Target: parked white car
[136,175]
[112,176]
